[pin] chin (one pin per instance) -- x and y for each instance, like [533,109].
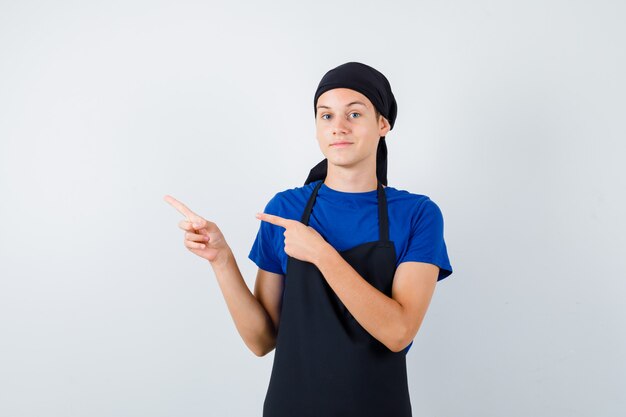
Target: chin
[341,162]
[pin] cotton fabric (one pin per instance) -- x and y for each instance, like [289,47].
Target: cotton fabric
[345,220]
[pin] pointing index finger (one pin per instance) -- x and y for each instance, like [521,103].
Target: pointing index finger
[271,218]
[183,209]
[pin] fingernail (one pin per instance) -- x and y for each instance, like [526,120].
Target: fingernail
[196,225]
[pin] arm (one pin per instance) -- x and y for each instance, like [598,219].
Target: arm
[249,312]
[395,320]
[256,317]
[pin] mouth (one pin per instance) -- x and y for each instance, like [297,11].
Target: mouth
[340,144]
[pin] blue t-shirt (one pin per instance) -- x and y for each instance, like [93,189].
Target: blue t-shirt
[346,220]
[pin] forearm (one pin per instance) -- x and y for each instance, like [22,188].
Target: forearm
[251,319]
[380,315]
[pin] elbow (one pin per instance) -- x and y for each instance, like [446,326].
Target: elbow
[260,350]
[257,352]
[398,347]
[261,353]
[406,337]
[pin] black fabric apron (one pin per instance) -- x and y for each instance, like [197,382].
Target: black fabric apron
[325,363]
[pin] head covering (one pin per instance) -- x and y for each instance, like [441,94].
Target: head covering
[373,85]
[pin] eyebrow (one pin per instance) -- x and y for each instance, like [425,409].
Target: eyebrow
[347,105]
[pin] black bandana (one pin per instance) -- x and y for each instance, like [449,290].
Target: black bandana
[373,85]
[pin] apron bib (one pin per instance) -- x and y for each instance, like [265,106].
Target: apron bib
[325,363]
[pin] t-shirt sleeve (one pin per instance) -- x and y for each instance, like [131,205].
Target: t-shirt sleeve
[426,241]
[264,249]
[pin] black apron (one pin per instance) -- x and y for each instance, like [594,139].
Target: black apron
[325,363]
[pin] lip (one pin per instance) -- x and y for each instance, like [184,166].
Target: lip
[341,144]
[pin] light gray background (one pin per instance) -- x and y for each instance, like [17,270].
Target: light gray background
[511,118]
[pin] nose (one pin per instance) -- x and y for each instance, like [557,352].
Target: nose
[340,126]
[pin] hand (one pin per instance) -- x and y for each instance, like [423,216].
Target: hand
[301,241]
[202,237]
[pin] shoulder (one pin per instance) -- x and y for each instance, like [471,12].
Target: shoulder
[417,206]
[401,197]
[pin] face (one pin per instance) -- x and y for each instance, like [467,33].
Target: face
[347,128]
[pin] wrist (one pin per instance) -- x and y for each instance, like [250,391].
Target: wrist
[324,254]
[223,258]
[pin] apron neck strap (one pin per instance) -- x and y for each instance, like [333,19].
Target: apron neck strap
[383,220]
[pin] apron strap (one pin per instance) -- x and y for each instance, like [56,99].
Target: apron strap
[383,220]
[309,205]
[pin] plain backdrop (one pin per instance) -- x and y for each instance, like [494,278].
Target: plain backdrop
[510,117]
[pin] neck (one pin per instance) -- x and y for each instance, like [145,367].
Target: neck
[350,181]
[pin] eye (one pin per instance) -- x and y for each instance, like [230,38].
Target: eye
[355,113]
[322,116]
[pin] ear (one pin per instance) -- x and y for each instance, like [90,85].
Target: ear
[383,126]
